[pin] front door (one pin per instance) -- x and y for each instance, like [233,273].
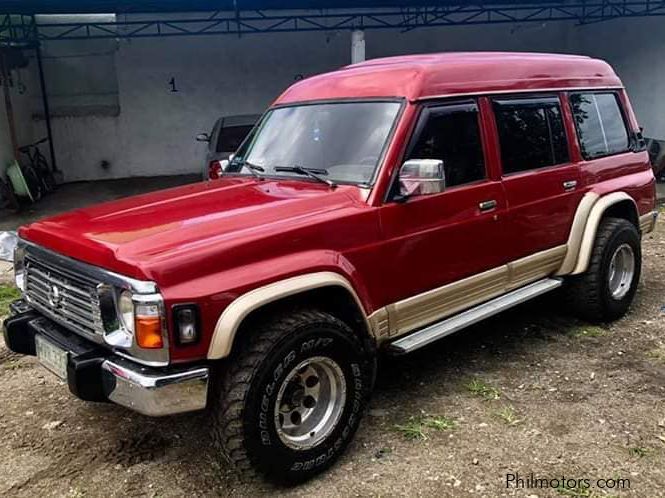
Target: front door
[437,238]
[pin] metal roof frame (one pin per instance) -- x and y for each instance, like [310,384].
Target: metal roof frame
[24,28]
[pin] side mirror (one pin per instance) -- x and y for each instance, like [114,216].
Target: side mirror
[421,177]
[203,137]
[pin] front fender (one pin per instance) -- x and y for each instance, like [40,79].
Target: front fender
[233,316]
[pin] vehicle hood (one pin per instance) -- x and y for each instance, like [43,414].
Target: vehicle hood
[136,235]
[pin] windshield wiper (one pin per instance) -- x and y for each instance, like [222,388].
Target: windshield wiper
[253,168]
[311,172]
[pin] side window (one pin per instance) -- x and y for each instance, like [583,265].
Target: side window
[601,128]
[531,133]
[231,137]
[451,133]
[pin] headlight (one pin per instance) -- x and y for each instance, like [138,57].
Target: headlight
[137,319]
[126,310]
[19,267]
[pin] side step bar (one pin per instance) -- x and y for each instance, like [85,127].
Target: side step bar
[429,334]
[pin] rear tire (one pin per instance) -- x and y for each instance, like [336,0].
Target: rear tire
[605,291]
[291,397]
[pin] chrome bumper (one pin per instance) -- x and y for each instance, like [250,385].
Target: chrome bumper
[152,394]
[96,374]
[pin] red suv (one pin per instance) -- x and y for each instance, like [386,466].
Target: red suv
[376,208]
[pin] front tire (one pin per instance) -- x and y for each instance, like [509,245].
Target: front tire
[606,290]
[292,396]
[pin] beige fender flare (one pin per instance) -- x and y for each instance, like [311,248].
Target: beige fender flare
[583,232]
[233,316]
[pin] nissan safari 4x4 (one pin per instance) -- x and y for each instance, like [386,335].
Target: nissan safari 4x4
[379,207]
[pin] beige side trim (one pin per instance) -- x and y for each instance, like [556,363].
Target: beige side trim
[534,267]
[423,309]
[238,310]
[434,305]
[577,232]
[648,222]
[591,228]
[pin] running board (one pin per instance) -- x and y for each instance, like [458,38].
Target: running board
[429,334]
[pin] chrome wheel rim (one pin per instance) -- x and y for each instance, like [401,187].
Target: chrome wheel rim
[310,402]
[622,271]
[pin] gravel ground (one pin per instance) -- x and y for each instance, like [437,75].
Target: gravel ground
[531,391]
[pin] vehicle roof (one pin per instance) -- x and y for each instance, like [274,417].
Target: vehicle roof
[417,77]
[240,120]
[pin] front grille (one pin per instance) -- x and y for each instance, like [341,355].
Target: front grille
[68,298]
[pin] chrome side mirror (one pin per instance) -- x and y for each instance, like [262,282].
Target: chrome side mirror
[421,177]
[203,137]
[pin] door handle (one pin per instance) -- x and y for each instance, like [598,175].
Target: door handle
[569,185]
[487,205]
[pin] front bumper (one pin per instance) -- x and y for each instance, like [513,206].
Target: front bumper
[96,374]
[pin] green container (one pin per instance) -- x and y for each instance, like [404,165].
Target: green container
[19,184]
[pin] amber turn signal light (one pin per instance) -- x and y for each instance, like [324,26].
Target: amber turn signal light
[149,332]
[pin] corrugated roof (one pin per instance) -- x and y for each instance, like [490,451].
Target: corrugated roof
[145,6]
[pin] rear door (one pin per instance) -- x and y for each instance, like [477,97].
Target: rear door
[542,183]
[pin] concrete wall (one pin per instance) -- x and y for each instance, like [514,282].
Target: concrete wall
[636,49]
[153,134]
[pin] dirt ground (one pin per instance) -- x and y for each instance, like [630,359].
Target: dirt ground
[531,391]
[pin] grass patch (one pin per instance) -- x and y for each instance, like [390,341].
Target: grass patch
[509,416]
[657,354]
[415,428]
[8,293]
[639,451]
[587,331]
[576,492]
[482,389]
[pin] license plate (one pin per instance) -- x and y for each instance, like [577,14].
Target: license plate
[51,356]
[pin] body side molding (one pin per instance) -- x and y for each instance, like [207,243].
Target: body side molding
[231,318]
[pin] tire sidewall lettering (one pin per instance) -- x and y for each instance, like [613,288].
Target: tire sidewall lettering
[349,359]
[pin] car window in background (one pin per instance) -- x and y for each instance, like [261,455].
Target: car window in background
[231,137]
[600,125]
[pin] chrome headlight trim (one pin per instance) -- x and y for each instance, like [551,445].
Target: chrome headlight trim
[117,334]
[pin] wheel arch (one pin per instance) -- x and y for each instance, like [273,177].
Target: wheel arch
[293,291]
[590,212]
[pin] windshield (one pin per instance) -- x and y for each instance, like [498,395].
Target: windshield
[341,141]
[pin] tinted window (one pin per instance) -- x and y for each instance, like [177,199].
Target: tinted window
[231,137]
[451,133]
[531,133]
[600,125]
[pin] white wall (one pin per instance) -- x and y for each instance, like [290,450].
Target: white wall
[222,75]
[22,104]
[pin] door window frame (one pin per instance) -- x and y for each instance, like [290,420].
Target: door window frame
[531,96]
[420,121]
[617,97]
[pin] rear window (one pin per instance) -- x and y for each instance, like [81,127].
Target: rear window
[531,133]
[231,137]
[601,128]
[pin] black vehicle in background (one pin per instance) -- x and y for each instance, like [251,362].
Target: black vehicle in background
[225,138]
